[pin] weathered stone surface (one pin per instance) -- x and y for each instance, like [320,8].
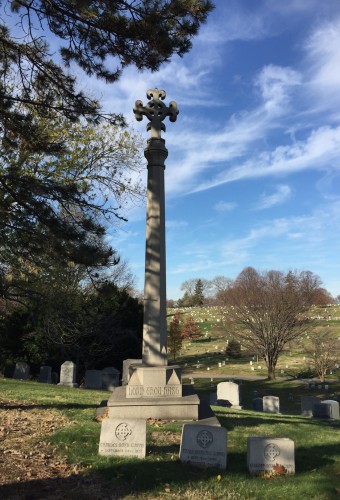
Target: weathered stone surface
[228,393]
[307,403]
[93,379]
[123,437]
[271,404]
[68,372]
[335,413]
[45,375]
[258,404]
[204,446]
[266,454]
[155,382]
[128,368]
[110,378]
[21,371]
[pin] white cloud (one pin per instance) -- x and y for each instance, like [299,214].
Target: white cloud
[224,206]
[282,194]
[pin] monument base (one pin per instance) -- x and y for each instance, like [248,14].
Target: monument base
[185,407]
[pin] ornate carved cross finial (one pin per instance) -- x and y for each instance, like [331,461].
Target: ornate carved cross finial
[156,111]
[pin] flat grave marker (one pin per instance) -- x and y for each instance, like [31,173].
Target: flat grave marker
[123,437]
[204,446]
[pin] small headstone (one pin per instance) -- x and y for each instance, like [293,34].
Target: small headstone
[220,365]
[271,404]
[204,446]
[228,394]
[45,375]
[252,368]
[110,378]
[68,374]
[333,410]
[266,454]
[258,404]
[307,403]
[123,437]
[93,379]
[21,371]
[321,410]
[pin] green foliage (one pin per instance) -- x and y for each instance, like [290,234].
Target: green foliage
[54,206]
[198,297]
[233,349]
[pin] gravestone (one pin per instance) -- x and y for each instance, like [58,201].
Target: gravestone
[266,454]
[45,375]
[204,446]
[93,379]
[21,371]
[271,404]
[322,411]
[335,413]
[228,394]
[68,374]
[307,403]
[258,404]
[123,437]
[110,378]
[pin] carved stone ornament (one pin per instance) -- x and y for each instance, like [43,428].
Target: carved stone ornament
[155,111]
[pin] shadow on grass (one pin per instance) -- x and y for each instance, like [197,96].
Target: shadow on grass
[116,478]
[47,406]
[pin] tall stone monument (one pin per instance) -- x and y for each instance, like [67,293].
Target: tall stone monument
[154,389]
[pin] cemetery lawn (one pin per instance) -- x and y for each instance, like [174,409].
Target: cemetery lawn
[50,436]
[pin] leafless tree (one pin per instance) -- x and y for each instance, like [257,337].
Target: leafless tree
[323,350]
[267,310]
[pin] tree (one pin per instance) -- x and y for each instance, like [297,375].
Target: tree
[323,349]
[221,286]
[54,206]
[92,34]
[266,311]
[198,297]
[190,329]
[175,339]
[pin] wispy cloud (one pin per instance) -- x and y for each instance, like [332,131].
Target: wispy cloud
[224,206]
[282,194]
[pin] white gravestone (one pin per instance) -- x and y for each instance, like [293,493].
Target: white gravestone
[93,379]
[123,437]
[307,403]
[271,404]
[21,371]
[45,375]
[204,446]
[68,374]
[266,454]
[229,393]
[110,378]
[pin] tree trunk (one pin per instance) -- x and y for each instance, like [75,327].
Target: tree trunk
[271,372]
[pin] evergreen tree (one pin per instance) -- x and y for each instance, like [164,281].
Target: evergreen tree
[175,339]
[198,297]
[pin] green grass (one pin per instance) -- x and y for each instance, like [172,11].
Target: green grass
[161,475]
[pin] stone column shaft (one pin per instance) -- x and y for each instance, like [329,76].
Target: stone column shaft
[155,326]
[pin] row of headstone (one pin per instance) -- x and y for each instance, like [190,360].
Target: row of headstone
[201,446]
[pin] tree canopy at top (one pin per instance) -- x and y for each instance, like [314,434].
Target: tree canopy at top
[101,36]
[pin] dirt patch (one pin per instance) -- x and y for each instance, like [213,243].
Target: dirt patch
[30,469]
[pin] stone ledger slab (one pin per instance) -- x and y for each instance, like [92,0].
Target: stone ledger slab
[264,454]
[123,437]
[204,446]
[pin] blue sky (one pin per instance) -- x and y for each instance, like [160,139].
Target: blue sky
[252,176]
